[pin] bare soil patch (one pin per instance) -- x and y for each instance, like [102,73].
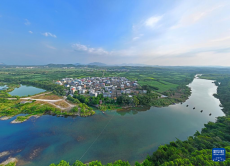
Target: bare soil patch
[62,104]
[47,97]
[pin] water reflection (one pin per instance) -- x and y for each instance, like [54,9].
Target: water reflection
[132,110]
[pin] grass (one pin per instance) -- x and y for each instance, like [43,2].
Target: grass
[163,85]
[13,107]
[23,118]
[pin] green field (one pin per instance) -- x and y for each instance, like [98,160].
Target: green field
[163,85]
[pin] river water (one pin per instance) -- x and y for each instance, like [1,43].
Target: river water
[128,135]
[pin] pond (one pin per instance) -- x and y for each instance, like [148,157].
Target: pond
[3,87]
[127,135]
[25,90]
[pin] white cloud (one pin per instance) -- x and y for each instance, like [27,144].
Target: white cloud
[30,32]
[132,51]
[49,34]
[27,22]
[137,37]
[195,14]
[151,22]
[51,47]
[221,39]
[81,47]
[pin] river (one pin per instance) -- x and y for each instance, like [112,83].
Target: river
[127,135]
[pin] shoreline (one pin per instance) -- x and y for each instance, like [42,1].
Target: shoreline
[16,121]
[5,153]
[6,117]
[9,160]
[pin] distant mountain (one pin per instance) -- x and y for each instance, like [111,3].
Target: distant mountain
[97,64]
[78,64]
[2,63]
[60,65]
[130,64]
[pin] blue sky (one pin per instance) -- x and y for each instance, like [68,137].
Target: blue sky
[114,32]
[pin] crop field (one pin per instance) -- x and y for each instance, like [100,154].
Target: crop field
[162,85]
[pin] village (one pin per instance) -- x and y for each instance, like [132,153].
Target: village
[111,87]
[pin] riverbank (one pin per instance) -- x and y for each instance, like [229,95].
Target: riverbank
[21,119]
[9,162]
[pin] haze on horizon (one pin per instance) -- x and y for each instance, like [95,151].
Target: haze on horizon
[113,32]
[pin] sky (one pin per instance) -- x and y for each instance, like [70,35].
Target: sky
[151,32]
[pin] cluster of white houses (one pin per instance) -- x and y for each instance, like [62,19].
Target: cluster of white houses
[111,87]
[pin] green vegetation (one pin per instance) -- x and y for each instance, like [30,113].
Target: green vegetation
[4,93]
[85,110]
[73,99]
[11,108]
[159,85]
[93,163]
[223,91]
[10,164]
[22,118]
[103,103]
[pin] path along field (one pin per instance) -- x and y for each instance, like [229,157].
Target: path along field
[51,99]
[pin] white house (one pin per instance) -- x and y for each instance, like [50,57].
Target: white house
[93,94]
[128,91]
[78,87]
[58,83]
[73,90]
[82,91]
[106,95]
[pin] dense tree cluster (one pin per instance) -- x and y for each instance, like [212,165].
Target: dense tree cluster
[93,100]
[85,110]
[93,163]
[74,100]
[223,92]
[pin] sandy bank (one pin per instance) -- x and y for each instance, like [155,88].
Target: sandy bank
[9,160]
[4,153]
[5,117]
[16,121]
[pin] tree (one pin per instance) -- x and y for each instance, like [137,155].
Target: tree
[135,100]
[78,163]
